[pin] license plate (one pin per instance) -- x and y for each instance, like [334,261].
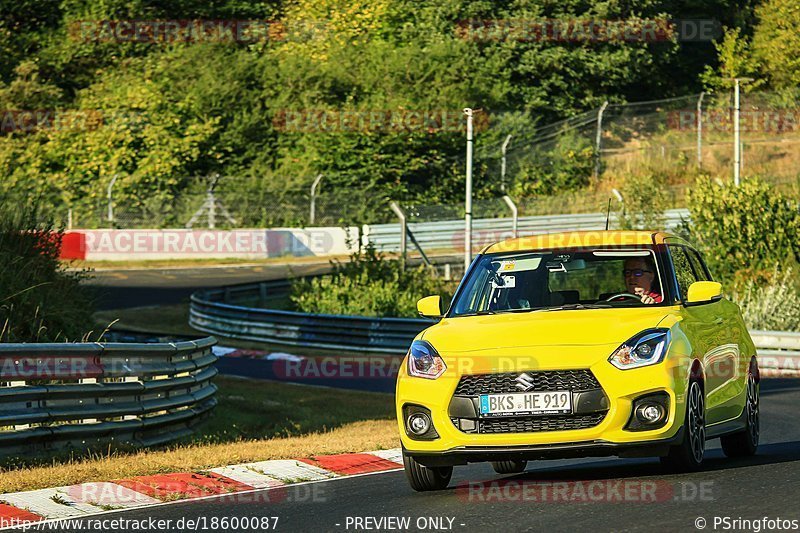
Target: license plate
[526,403]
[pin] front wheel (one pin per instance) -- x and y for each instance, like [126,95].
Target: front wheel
[423,478]
[745,443]
[688,455]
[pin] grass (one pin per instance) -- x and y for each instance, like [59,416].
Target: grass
[254,421]
[169,319]
[164,319]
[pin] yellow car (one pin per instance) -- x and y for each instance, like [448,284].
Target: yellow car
[578,344]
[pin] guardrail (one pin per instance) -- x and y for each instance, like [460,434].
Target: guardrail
[449,234]
[778,351]
[215,311]
[57,396]
[209,312]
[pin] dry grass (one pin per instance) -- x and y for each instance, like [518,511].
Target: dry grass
[354,437]
[254,421]
[163,319]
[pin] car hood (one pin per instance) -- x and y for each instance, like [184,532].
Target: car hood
[584,327]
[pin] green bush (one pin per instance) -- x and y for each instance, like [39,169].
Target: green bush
[644,202]
[40,301]
[369,285]
[566,166]
[774,306]
[745,231]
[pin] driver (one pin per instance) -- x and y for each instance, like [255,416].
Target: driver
[640,279]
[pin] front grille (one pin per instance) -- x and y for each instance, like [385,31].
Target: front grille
[529,424]
[573,380]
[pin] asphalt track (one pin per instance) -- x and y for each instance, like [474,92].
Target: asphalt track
[124,288]
[593,495]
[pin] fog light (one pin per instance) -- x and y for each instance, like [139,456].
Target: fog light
[650,413]
[419,423]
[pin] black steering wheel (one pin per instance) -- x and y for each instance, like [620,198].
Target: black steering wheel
[624,295]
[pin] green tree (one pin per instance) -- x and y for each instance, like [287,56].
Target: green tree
[776,42]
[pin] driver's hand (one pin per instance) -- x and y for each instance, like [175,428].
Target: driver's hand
[646,298]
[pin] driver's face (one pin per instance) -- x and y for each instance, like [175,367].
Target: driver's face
[644,281]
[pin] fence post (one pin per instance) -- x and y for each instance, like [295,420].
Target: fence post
[503,149]
[598,139]
[700,130]
[514,213]
[403,230]
[468,200]
[110,198]
[312,213]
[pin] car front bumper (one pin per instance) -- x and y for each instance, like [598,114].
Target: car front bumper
[608,437]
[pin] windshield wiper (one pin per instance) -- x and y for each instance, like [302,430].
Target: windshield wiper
[570,307]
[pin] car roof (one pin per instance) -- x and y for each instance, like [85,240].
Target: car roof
[583,239]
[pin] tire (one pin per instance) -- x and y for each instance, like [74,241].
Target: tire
[509,467]
[688,455]
[745,443]
[423,478]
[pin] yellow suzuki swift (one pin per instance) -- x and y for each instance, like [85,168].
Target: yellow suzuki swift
[578,344]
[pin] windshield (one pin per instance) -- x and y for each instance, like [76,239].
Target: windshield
[561,279]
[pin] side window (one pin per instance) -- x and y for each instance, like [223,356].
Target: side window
[683,270]
[699,265]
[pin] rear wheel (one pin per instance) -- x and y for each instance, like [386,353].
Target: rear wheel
[688,455]
[745,443]
[509,467]
[423,478]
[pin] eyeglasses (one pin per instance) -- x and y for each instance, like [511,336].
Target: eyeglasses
[637,272]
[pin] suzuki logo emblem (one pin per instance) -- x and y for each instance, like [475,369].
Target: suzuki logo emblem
[525,382]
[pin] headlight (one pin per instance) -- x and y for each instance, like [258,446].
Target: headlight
[424,362]
[647,348]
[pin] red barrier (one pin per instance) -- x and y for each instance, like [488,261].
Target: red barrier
[73,245]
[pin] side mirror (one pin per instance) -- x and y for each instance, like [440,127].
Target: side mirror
[703,291]
[430,307]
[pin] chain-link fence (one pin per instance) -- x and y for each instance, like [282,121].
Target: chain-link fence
[571,166]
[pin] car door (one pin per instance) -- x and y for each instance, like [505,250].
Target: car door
[731,356]
[704,325]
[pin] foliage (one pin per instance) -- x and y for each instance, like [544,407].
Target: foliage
[776,42]
[173,114]
[567,167]
[745,231]
[644,202]
[369,285]
[40,300]
[736,60]
[772,306]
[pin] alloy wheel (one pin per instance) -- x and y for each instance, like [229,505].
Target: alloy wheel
[697,425]
[752,408]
